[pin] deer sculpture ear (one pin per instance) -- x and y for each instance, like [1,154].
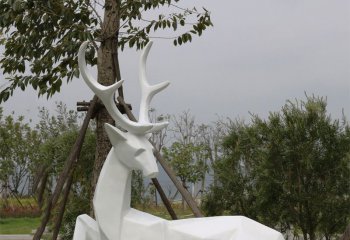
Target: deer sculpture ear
[114,134]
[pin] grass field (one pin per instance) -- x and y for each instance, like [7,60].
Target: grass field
[26,225]
[18,225]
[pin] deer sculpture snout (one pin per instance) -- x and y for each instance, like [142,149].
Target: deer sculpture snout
[150,169]
[146,161]
[137,159]
[133,150]
[143,160]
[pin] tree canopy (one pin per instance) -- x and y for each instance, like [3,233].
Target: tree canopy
[188,161]
[290,171]
[41,38]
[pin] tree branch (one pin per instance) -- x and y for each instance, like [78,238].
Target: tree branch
[95,11]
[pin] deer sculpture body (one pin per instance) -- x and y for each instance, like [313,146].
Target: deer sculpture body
[115,219]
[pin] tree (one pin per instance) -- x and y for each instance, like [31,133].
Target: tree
[160,138]
[290,171]
[18,151]
[187,155]
[187,161]
[52,129]
[234,174]
[58,133]
[210,137]
[61,26]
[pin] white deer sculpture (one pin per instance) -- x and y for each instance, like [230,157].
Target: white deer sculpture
[115,219]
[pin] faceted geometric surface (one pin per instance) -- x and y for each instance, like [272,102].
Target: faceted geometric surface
[225,228]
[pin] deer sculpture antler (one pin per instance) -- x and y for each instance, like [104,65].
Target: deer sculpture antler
[106,94]
[148,91]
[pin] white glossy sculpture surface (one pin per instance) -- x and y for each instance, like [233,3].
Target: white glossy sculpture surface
[115,219]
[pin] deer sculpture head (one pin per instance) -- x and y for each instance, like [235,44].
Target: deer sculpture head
[130,141]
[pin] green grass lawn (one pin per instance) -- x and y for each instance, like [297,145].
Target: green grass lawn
[26,225]
[18,225]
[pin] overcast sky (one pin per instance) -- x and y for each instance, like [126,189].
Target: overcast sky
[259,54]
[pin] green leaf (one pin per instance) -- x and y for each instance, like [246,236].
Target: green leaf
[189,37]
[76,72]
[156,26]
[179,40]
[174,24]
[184,38]
[23,87]
[132,42]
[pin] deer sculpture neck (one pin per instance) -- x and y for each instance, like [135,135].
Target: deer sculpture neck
[115,183]
[131,149]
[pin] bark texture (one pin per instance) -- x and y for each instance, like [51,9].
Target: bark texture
[108,73]
[346,235]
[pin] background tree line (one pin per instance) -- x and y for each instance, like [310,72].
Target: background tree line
[290,171]
[32,156]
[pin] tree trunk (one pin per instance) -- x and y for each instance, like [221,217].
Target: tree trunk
[108,72]
[305,235]
[215,182]
[5,192]
[203,182]
[183,204]
[346,235]
[41,189]
[38,176]
[312,236]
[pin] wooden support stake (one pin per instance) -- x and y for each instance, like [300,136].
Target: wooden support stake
[186,195]
[84,106]
[164,199]
[62,208]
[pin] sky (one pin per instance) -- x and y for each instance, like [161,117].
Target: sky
[258,54]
